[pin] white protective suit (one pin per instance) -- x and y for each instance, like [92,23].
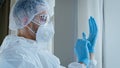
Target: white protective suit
[19,52]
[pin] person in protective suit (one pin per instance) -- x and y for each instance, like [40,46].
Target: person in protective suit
[28,49]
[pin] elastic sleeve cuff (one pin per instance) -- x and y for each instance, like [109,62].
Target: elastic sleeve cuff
[74,65]
[85,61]
[93,62]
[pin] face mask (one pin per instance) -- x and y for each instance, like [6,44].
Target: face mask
[44,33]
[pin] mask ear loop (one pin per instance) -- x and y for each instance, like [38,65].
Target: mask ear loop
[35,23]
[31,30]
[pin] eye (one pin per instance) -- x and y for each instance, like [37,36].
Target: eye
[43,17]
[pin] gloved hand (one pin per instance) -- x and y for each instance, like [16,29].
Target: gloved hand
[81,50]
[92,35]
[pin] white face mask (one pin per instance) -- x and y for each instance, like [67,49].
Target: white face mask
[45,33]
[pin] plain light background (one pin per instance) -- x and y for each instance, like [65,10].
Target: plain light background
[112,33]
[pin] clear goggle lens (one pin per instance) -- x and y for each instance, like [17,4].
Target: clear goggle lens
[40,19]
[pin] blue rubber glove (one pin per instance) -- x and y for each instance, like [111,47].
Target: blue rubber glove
[92,35]
[81,50]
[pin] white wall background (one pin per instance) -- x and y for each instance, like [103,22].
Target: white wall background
[112,33]
[65,30]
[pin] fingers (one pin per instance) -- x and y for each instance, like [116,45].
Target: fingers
[95,26]
[84,36]
[90,25]
[95,29]
[91,31]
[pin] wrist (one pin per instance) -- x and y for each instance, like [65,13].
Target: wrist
[92,56]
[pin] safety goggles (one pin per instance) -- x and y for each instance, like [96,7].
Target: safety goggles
[40,19]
